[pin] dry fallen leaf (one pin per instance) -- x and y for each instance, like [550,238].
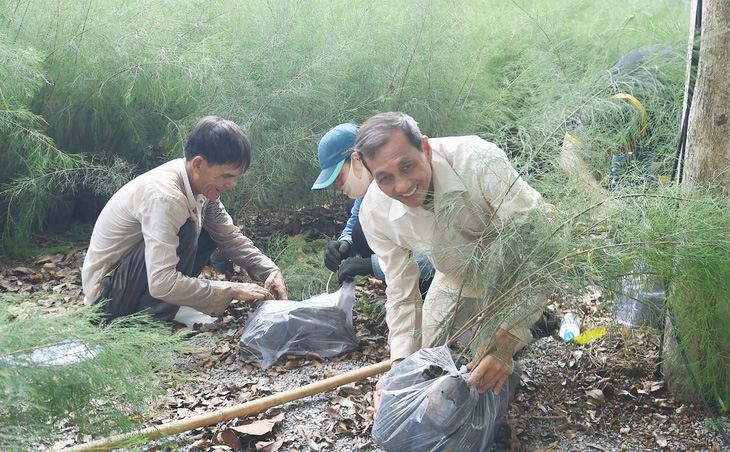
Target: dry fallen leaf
[624,392]
[343,401]
[21,270]
[304,431]
[334,413]
[229,438]
[260,427]
[365,445]
[652,386]
[595,396]
[201,444]
[269,446]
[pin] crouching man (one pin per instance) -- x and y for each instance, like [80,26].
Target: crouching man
[444,198]
[155,235]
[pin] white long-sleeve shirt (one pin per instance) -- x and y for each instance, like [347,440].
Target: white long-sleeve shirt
[476,192]
[153,207]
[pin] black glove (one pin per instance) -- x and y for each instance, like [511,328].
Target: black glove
[355,266]
[334,253]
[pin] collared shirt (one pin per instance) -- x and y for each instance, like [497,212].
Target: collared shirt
[153,207]
[476,192]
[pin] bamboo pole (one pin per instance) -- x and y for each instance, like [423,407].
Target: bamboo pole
[225,414]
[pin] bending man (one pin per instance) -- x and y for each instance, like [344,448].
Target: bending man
[445,198]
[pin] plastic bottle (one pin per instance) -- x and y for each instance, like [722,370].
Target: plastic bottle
[569,326]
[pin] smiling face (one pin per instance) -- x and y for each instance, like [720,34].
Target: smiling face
[402,171]
[211,180]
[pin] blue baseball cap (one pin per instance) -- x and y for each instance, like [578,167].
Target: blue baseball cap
[334,148]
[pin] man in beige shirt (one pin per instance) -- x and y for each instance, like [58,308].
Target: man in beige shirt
[155,235]
[444,198]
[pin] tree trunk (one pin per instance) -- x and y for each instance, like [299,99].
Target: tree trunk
[706,161]
[708,134]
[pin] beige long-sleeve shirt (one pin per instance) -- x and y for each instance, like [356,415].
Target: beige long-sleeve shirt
[476,192]
[153,207]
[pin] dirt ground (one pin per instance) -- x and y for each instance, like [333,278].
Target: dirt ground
[606,395]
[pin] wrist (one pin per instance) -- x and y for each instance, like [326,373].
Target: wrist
[506,344]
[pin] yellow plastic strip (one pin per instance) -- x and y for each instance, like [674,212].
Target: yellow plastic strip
[573,139]
[635,102]
[590,335]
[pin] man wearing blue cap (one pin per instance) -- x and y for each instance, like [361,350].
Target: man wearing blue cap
[341,166]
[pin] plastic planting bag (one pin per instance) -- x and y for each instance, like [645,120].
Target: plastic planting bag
[425,405]
[321,325]
[641,298]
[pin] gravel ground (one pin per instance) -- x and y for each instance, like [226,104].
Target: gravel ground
[602,396]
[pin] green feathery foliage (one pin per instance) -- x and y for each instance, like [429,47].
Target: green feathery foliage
[673,235]
[64,370]
[26,149]
[300,260]
[683,240]
[111,80]
[128,80]
[34,173]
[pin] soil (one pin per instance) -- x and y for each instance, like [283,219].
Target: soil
[606,395]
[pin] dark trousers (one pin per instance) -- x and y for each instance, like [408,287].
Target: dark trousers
[359,243]
[127,289]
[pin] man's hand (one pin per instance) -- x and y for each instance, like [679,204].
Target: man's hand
[250,292]
[494,370]
[491,371]
[379,386]
[275,285]
[354,266]
[377,392]
[334,253]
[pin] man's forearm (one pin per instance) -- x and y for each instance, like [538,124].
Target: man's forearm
[505,344]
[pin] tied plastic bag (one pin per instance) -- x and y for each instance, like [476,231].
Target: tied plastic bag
[425,405]
[321,325]
[640,300]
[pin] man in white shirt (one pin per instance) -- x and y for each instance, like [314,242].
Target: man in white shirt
[155,235]
[444,198]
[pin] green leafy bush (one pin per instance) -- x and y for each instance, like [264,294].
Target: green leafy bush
[127,81]
[65,371]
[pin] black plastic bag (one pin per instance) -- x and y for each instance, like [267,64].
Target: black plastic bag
[321,325]
[425,405]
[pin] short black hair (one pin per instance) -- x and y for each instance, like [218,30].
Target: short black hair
[376,131]
[220,142]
